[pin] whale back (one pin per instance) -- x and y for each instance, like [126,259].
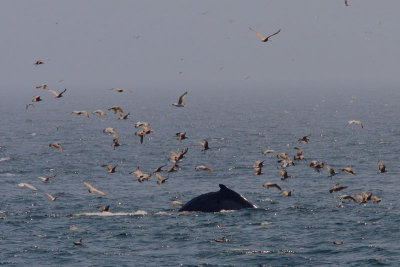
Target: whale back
[224,199]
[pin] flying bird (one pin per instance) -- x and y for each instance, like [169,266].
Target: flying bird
[262,37]
[159,168]
[204,168]
[38,62]
[111,131]
[29,105]
[119,90]
[93,190]
[204,144]
[51,197]
[304,139]
[58,95]
[330,170]
[28,185]
[140,124]
[348,170]
[382,167]
[36,98]
[79,112]
[160,179]
[99,112]
[180,101]
[268,185]
[337,188]
[116,109]
[176,202]
[181,136]
[283,173]
[42,86]
[287,193]
[110,168]
[268,151]
[124,116]
[46,179]
[355,122]
[56,145]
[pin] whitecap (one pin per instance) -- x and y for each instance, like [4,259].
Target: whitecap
[107,213]
[5,159]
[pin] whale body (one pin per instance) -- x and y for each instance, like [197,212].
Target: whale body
[224,199]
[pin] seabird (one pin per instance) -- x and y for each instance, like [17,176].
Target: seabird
[268,185]
[78,243]
[38,62]
[304,139]
[204,144]
[283,173]
[58,95]
[330,170]
[264,39]
[160,180]
[56,145]
[355,122]
[348,170]
[382,167]
[337,188]
[93,190]
[42,86]
[99,112]
[159,168]
[119,90]
[181,136]
[268,151]
[140,124]
[46,179]
[29,105]
[36,98]
[176,202]
[51,197]
[116,109]
[110,168]
[204,168]
[28,185]
[180,101]
[79,112]
[104,208]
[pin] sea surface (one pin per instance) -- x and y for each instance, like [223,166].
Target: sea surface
[144,229]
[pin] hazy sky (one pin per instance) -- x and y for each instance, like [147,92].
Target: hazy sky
[167,44]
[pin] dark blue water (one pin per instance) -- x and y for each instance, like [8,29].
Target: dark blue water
[143,228]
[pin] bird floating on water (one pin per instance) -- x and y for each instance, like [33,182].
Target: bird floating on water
[382,167]
[204,144]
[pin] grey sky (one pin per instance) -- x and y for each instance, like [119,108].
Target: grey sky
[131,44]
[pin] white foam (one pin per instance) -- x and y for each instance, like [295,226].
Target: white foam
[5,159]
[107,213]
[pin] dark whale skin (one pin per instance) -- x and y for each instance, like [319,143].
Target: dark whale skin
[224,199]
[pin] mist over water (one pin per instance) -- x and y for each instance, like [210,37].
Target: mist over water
[144,229]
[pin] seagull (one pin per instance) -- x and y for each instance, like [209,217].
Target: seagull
[181,136]
[382,167]
[58,95]
[116,109]
[268,185]
[348,197]
[119,90]
[104,208]
[56,145]
[264,39]
[51,197]
[176,202]
[36,98]
[28,185]
[46,179]
[161,180]
[42,86]
[268,151]
[159,168]
[115,142]
[204,144]
[283,173]
[336,188]
[79,112]
[111,131]
[348,170]
[140,124]
[38,62]
[99,112]
[110,168]
[355,122]
[304,139]
[93,190]
[204,168]
[330,170]
[180,101]
[299,151]
[78,243]
[124,116]
[29,105]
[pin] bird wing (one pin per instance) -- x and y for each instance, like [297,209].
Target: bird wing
[182,97]
[50,196]
[273,34]
[108,166]
[262,37]
[54,92]
[60,94]
[28,185]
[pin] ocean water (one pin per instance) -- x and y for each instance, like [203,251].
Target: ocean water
[144,229]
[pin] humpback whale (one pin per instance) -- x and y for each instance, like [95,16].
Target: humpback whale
[224,199]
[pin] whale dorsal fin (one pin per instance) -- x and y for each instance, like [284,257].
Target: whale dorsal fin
[223,187]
